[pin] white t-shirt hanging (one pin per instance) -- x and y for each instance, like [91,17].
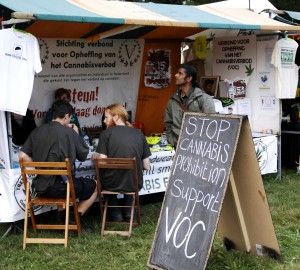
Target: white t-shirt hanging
[283,58]
[19,60]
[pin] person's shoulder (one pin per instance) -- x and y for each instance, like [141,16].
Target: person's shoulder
[198,91]
[175,96]
[106,132]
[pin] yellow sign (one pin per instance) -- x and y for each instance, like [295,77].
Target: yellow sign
[200,46]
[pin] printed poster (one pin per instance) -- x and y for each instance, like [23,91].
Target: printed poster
[157,69]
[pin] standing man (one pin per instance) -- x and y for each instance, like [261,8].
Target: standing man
[54,142]
[121,140]
[190,96]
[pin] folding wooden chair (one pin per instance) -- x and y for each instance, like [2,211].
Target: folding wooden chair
[116,164]
[49,168]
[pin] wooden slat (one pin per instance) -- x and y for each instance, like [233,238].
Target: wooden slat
[46,172]
[45,240]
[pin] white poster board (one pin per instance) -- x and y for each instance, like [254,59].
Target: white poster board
[234,57]
[96,74]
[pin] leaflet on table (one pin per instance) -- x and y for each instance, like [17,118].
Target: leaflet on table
[156,178]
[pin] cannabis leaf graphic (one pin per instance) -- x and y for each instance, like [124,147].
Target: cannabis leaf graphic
[249,70]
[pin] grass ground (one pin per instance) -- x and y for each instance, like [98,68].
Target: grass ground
[91,251]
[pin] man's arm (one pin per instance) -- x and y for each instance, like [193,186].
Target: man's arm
[208,104]
[168,122]
[146,163]
[97,155]
[25,157]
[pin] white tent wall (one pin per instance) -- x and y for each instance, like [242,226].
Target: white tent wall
[4,153]
[262,118]
[266,108]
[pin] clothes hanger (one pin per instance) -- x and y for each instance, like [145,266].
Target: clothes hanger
[19,30]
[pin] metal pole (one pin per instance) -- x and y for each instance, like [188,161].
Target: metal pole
[9,134]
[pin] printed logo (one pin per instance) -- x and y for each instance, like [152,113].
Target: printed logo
[129,52]
[20,194]
[18,50]
[261,154]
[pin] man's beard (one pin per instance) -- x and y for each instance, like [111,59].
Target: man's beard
[111,123]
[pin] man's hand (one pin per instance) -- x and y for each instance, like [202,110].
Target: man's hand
[25,157]
[74,127]
[97,155]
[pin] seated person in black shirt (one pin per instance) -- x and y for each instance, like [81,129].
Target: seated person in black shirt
[21,127]
[121,140]
[56,141]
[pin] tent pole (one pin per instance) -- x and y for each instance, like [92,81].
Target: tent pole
[9,135]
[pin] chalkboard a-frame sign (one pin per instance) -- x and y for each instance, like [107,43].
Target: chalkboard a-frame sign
[194,196]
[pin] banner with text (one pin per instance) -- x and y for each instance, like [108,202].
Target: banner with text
[234,57]
[96,74]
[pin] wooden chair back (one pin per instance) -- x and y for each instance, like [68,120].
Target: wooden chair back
[48,168]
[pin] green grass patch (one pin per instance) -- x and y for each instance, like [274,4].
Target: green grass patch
[91,251]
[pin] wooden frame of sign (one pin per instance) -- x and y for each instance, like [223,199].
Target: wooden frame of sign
[210,173]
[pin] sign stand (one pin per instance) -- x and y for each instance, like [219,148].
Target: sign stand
[215,182]
[245,222]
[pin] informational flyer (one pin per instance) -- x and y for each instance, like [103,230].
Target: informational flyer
[268,103]
[264,80]
[234,56]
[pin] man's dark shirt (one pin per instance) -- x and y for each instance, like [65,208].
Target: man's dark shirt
[53,142]
[123,142]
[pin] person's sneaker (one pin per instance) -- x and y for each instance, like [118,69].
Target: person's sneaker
[114,219]
[86,229]
[127,218]
[60,217]
[114,216]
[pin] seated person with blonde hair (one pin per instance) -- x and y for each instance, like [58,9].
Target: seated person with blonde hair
[121,140]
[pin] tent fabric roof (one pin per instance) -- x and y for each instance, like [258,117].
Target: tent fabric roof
[294,15]
[115,19]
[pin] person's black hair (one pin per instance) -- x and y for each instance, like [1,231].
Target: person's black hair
[191,71]
[209,82]
[60,108]
[60,92]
